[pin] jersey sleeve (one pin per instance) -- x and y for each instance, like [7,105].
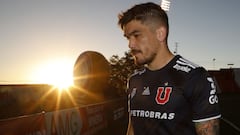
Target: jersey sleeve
[203,96]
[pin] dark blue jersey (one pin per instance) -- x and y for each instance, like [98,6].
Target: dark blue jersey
[168,101]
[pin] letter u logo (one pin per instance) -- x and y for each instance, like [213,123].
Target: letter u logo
[163,99]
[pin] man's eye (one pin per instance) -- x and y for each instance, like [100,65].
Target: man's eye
[136,35]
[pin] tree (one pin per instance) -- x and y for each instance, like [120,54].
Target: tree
[121,69]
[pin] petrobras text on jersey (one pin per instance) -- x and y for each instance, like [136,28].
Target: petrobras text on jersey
[152,114]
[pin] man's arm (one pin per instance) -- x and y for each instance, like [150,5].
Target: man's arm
[210,127]
[130,129]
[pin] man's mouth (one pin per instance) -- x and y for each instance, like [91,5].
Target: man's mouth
[135,52]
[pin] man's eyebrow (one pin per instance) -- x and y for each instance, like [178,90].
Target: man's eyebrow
[131,33]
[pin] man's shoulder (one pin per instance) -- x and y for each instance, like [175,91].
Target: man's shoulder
[184,65]
[187,69]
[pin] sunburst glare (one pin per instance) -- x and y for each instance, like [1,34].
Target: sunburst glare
[55,72]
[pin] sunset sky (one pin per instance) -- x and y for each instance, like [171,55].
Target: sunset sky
[40,39]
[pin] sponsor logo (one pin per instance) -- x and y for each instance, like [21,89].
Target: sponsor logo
[213,97]
[64,122]
[146,91]
[182,68]
[152,114]
[184,65]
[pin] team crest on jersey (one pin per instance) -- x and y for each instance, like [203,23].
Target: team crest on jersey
[163,95]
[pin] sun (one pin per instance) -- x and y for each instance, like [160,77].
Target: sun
[55,72]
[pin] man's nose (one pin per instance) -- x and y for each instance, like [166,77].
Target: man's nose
[131,43]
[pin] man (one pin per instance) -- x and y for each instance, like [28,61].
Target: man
[170,95]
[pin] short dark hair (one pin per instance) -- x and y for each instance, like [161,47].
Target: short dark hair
[145,13]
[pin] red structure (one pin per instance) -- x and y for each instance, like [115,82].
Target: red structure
[228,80]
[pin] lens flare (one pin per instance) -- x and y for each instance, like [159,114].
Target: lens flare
[55,72]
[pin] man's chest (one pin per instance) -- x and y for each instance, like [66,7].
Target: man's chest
[157,94]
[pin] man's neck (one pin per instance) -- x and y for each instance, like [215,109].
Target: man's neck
[160,60]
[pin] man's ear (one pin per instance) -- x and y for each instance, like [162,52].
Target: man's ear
[161,33]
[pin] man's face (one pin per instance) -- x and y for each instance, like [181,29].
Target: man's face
[143,42]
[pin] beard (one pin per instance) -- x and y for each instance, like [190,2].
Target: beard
[140,59]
